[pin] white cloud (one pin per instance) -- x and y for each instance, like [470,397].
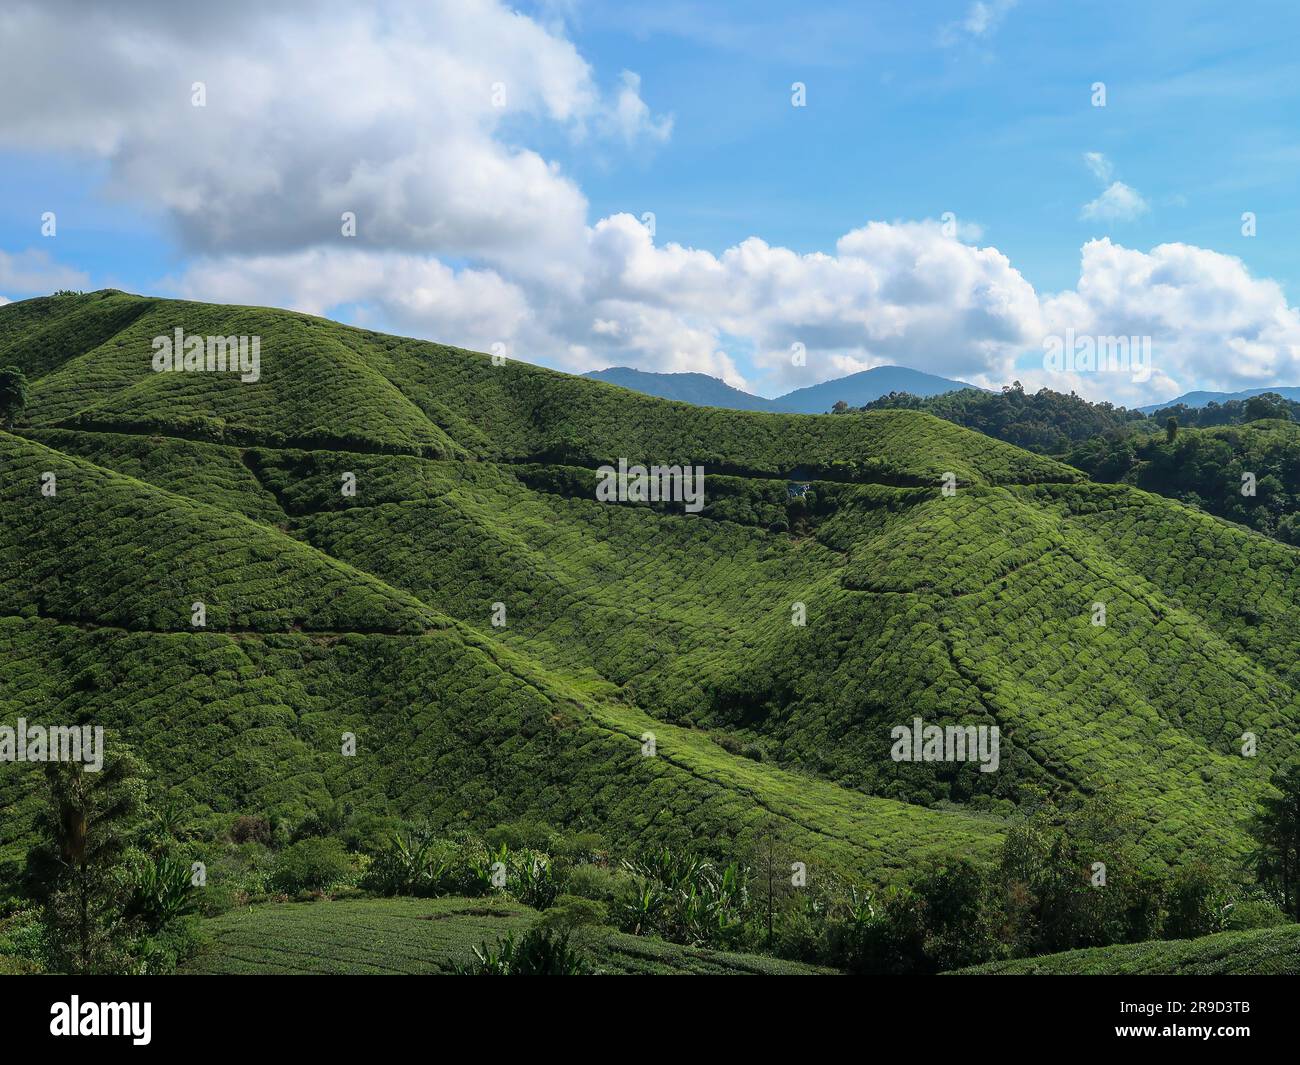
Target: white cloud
[390,111]
[630,117]
[1119,203]
[34,272]
[892,292]
[982,18]
[1099,165]
[1211,323]
[474,308]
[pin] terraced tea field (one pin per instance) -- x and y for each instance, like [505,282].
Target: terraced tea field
[410,936]
[1263,952]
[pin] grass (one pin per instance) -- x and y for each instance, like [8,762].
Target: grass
[1263,952]
[413,936]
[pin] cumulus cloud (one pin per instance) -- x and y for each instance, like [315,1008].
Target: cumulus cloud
[476,308]
[397,112]
[1118,203]
[1211,323]
[892,292]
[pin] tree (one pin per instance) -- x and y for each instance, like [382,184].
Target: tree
[772,871]
[1276,830]
[13,394]
[1267,405]
[960,915]
[1074,878]
[840,407]
[1288,529]
[91,820]
[1171,429]
[1197,901]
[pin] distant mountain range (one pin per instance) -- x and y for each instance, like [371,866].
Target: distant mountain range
[855,390]
[1201,399]
[697,388]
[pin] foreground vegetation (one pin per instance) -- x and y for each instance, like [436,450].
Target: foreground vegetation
[124,890]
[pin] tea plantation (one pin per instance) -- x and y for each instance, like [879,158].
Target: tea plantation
[503,646]
[1262,952]
[411,936]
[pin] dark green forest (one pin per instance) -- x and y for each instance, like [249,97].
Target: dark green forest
[1199,456]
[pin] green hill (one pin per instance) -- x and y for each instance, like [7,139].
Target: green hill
[1263,952]
[475,485]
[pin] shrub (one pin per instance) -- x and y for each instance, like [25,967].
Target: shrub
[570,914]
[13,394]
[411,864]
[539,952]
[580,847]
[892,939]
[161,891]
[251,828]
[1253,913]
[23,943]
[369,832]
[162,951]
[800,929]
[236,875]
[685,898]
[518,835]
[315,864]
[599,882]
[960,917]
[533,882]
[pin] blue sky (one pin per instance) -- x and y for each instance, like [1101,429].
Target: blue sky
[1202,115]
[521,224]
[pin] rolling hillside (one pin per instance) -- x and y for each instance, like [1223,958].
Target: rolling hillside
[475,485]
